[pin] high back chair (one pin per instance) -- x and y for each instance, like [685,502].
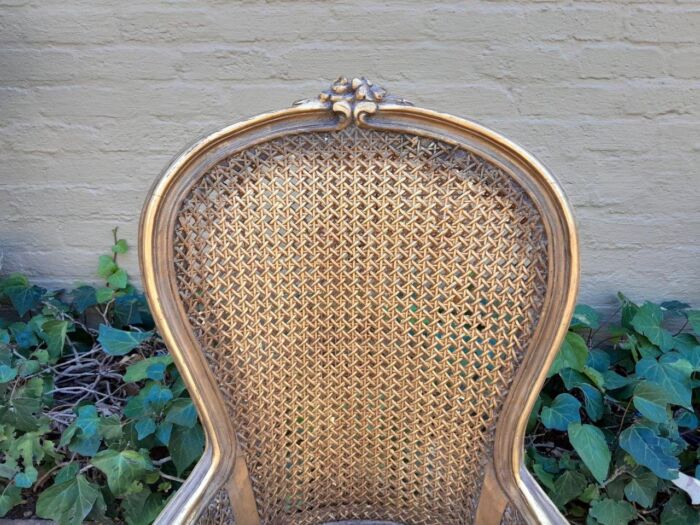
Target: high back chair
[363,298]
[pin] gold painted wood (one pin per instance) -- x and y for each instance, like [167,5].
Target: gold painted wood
[363,298]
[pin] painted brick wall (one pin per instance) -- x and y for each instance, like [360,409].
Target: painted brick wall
[96,97]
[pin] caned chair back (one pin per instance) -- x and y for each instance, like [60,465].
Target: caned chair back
[364,297]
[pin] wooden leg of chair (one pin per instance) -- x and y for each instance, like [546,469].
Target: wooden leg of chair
[492,501]
[241,495]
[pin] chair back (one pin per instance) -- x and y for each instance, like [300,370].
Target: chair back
[365,282]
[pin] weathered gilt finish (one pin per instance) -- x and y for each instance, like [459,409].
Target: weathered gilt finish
[355,99]
[363,298]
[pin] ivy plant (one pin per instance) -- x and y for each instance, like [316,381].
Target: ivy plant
[95,421]
[614,437]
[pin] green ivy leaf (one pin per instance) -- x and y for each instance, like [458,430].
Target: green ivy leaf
[598,360]
[21,411]
[122,468]
[651,401]
[120,246]
[564,410]
[118,279]
[648,351]
[647,321]
[9,468]
[592,397]
[85,445]
[164,432]
[14,279]
[149,401]
[629,310]
[678,512]
[88,421]
[99,509]
[684,341]
[642,489]
[7,373]
[694,320]
[27,367]
[687,419]
[42,356]
[568,487]
[82,436]
[592,401]
[54,334]
[120,342]
[573,354]
[24,335]
[106,266]
[672,377]
[546,479]
[25,298]
[27,478]
[69,502]
[111,428]
[186,446]
[674,305]
[129,310]
[182,412]
[692,355]
[66,473]
[27,447]
[150,368]
[613,380]
[585,317]
[104,295]
[144,428]
[595,376]
[178,385]
[590,493]
[10,497]
[589,443]
[610,512]
[83,298]
[143,507]
[650,450]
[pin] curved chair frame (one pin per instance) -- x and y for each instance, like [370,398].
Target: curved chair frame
[363,104]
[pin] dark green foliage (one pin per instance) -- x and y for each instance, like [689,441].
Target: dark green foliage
[93,416]
[617,420]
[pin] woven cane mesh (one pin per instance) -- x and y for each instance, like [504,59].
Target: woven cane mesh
[364,299]
[218,511]
[511,516]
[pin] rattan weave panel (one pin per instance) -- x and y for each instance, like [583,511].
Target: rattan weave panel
[218,511]
[364,299]
[511,516]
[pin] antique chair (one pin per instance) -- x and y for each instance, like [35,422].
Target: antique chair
[363,298]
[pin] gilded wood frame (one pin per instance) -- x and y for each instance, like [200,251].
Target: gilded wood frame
[360,103]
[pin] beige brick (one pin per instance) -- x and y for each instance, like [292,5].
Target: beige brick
[684,63]
[615,61]
[663,24]
[58,24]
[527,22]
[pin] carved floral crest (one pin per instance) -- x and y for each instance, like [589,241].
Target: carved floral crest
[355,99]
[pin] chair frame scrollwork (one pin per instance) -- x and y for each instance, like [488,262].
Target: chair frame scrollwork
[361,103]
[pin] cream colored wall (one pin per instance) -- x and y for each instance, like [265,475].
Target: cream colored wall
[96,97]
